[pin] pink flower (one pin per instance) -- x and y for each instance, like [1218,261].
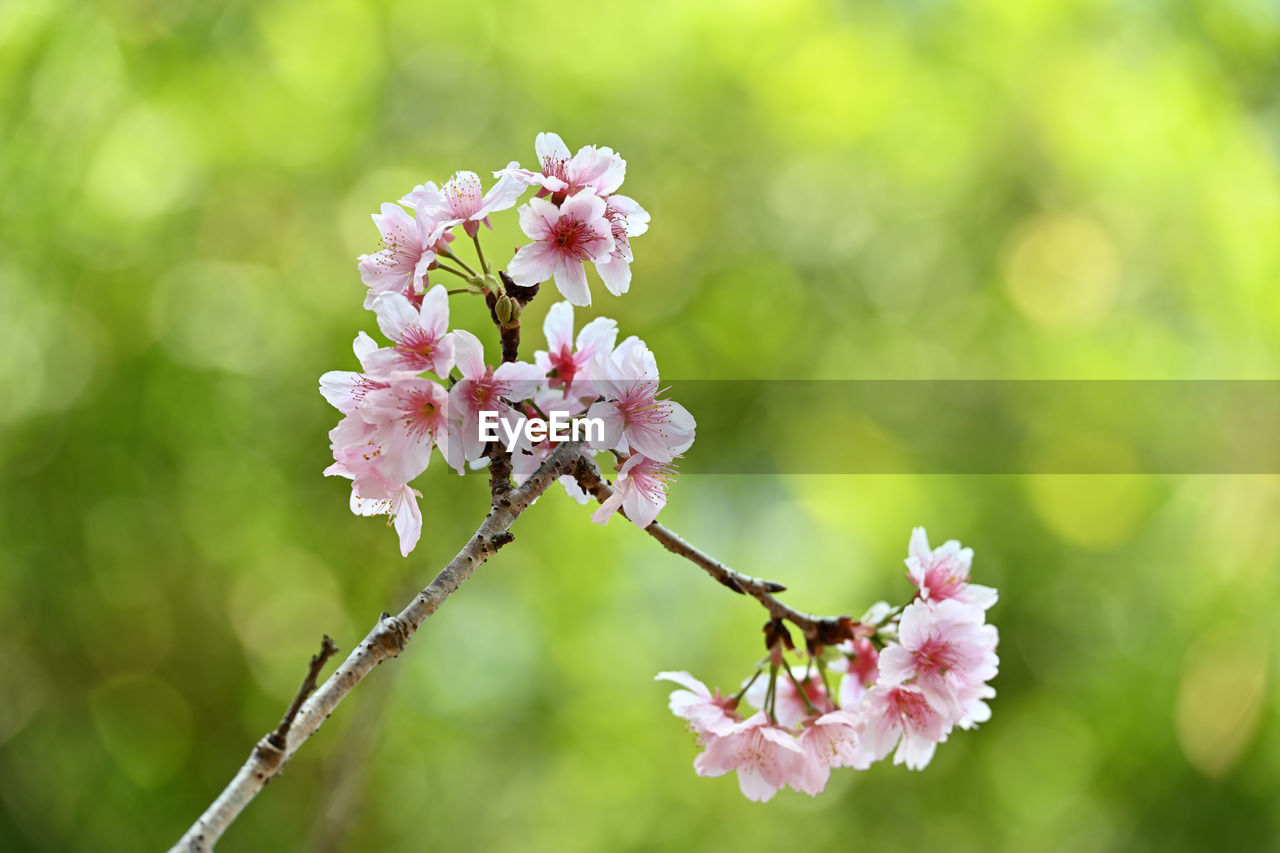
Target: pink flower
[946,652]
[565,238]
[420,336]
[597,169]
[832,740]
[372,492]
[860,667]
[641,491]
[401,505]
[409,417]
[409,247]
[708,715]
[561,361]
[626,220]
[484,389]
[901,716]
[944,573]
[634,418]
[765,756]
[346,389]
[789,708]
[464,202]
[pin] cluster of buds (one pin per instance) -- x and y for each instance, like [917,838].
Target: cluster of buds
[908,676]
[431,388]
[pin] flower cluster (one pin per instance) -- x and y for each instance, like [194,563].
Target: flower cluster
[908,677]
[430,387]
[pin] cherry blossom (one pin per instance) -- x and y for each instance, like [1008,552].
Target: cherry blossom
[345,389]
[766,757]
[641,491]
[829,741]
[485,389]
[463,200]
[901,716]
[410,416]
[410,242]
[564,238]
[597,169]
[419,334]
[944,573]
[946,652]
[634,418]
[627,219]
[708,714]
[561,361]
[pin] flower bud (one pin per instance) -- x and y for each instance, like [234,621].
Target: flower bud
[507,310]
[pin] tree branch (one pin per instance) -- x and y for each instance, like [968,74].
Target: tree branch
[386,640]
[818,630]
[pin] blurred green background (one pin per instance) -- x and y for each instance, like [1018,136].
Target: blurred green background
[920,189]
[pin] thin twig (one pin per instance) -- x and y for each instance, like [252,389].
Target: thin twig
[386,640]
[279,737]
[818,630]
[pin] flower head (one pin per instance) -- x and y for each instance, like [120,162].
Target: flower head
[946,652]
[409,245]
[901,716]
[634,418]
[766,757]
[944,573]
[562,361]
[345,389]
[829,741]
[641,491]
[708,714]
[597,169]
[564,238]
[419,334]
[463,200]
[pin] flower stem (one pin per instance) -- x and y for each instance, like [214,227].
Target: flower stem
[804,694]
[458,273]
[737,697]
[448,253]
[484,265]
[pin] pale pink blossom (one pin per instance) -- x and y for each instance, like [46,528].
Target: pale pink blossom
[901,716]
[345,389]
[485,389]
[409,243]
[401,506]
[561,361]
[829,741]
[597,169]
[789,706]
[946,652]
[633,416]
[463,200]
[640,491]
[627,219]
[564,238]
[706,713]
[409,417]
[420,337]
[372,492]
[944,573]
[766,757]
[860,668]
